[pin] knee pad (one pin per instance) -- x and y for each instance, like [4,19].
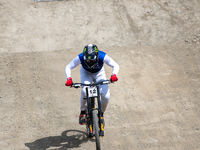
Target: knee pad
[83,92]
[105,96]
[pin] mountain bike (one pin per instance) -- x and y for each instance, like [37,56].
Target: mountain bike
[94,122]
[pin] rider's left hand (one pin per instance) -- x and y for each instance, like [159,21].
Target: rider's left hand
[113,78]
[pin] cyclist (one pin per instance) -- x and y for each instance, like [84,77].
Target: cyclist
[92,69]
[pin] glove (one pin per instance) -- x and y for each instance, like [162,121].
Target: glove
[69,82]
[113,78]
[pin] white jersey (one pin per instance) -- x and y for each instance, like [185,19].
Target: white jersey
[76,61]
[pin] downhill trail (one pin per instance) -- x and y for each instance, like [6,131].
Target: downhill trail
[155,103]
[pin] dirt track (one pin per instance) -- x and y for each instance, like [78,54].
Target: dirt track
[154,105]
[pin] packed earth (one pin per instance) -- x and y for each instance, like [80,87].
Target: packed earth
[155,104]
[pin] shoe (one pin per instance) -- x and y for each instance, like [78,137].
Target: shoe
[82,118]
[101,133]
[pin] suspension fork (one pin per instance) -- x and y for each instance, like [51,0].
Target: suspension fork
[90,106]
[99,111]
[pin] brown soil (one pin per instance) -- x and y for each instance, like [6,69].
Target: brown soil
[154,105]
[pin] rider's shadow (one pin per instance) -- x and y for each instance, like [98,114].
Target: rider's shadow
[68,139]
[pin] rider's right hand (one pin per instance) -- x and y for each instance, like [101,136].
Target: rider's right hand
[69,82]
[113,78]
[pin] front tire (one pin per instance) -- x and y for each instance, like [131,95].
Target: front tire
[96,129]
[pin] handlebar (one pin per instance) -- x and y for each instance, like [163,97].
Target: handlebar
[78,85]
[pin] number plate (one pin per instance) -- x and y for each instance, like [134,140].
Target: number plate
[92,91]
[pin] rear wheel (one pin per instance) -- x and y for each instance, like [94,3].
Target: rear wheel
[87,129]
[96,129]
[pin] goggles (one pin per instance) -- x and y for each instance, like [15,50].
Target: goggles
[91,61]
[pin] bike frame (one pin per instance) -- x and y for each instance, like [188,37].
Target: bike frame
[91,107]
[92,122]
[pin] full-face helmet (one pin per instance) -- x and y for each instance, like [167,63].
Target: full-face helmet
[91,55]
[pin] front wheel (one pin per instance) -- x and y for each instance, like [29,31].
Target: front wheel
[96,129]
